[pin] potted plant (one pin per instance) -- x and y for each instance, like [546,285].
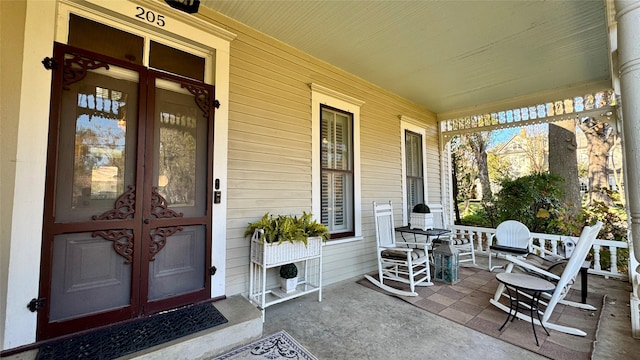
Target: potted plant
[288,277]
[284,239]
[421,217]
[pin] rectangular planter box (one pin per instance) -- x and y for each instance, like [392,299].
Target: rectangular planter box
[421,221]
[284,253]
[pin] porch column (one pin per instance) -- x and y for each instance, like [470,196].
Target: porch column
[628,27]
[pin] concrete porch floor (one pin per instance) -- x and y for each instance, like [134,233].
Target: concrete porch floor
[354,322]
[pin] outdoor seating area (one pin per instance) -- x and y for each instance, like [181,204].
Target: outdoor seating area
[534,291]
[325,329]
[408,261]
[562,284]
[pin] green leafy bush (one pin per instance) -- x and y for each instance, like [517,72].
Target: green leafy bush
[534,200]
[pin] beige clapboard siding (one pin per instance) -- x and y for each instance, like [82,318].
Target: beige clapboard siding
[269,161]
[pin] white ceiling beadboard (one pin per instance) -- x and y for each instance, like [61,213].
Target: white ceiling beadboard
[443,55]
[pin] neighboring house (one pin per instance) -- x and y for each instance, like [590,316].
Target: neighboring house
[523,152]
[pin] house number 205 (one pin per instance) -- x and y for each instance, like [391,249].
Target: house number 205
[149,16]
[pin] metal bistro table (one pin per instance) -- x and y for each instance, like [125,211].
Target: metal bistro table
[530,284]
[430,233]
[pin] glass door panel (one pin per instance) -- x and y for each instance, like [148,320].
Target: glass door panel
[97,147]
[180,168]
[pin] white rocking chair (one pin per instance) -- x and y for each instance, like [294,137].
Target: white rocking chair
[405,262]
[511,238]
[563,282]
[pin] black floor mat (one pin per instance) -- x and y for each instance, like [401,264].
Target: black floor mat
[134,336]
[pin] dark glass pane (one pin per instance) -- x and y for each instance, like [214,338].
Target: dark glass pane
[97,141]
[180,166]
[103,39]
[176,61]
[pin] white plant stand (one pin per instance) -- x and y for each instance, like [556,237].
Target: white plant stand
[267,256]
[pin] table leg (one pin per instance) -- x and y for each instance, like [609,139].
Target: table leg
[583,283]
[513,306]
[534,307]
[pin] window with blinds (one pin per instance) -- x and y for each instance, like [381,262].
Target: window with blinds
[337,171]
[415,173]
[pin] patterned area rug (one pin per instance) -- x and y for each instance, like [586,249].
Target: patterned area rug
[134,336]
[467,303]
[277,346]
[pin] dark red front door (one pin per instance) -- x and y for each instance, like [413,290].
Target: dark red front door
[128,193]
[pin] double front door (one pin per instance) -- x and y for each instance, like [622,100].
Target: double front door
[127,222]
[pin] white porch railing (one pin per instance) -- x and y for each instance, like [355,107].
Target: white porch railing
[560,245]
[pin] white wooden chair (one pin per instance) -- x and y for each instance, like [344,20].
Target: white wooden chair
[563,282]
[511,238]
[462,243]
[405,262]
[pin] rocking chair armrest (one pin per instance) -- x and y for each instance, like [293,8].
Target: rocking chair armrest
[422,245]
[404,249]
[529,267]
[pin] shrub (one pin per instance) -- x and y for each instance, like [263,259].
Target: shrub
[288,271]
[421,209]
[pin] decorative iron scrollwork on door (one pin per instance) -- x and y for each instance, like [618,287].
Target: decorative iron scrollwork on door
[123,208]
[160,209]
[202,98]
[159,239]
[72,74]
[122,241]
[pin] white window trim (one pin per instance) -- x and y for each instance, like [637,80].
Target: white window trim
[321,95]
[407,123]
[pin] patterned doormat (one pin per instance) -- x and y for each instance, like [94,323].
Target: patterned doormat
[277,346]
[467,303]
[134,336]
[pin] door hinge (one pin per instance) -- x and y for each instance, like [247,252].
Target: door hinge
[49,63]
[35,304]
[212,270]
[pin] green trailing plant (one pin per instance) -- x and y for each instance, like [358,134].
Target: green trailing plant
[421,208]
[280,228]
[288,271]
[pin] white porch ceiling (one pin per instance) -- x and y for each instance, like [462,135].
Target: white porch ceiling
[443,55]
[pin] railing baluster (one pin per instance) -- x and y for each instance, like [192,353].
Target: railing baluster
[554,246]
[596,257]
[557,246]
[614,259]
